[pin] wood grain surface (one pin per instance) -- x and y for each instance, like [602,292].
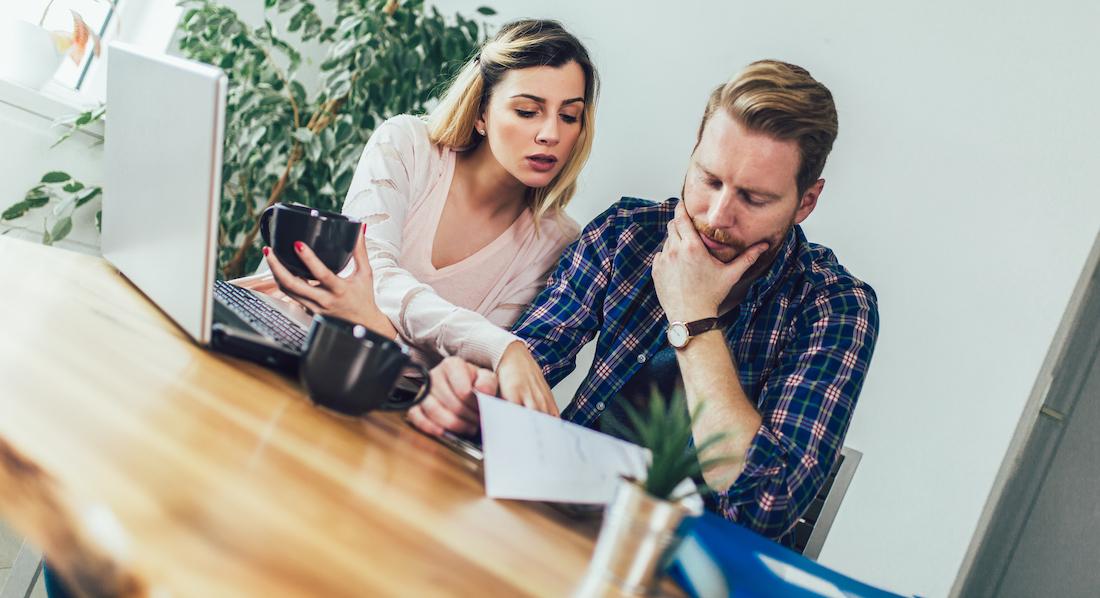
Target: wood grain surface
[145,465]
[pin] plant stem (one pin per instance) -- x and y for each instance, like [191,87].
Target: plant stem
[43,19]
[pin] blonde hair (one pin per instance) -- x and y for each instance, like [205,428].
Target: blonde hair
[783,101]
[519,45]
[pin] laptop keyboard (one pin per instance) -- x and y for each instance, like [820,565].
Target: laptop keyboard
[265,318]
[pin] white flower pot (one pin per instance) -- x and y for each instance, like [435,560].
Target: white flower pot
[28,53]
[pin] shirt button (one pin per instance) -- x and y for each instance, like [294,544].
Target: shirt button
[641,358]
[600,406]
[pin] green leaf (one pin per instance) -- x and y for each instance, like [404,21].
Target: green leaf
[37,200]
[46,239]
[296,21]
[343,132]
[16,210]
[36,192]
[303,134]
[364,59]
[341,89]
[343,182]
[314,148]
[485,10]
[61,207]
[56,177]
[343,48]
[61,229]
[88,195]
[99,220]
[299,92]
[73,187]
[271,99]
[347,25]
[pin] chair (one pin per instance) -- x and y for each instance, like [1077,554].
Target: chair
[813,526]
[24,573]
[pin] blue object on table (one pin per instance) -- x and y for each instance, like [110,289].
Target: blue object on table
[720,559]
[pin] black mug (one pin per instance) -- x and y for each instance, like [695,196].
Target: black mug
[353,370]
[331,236]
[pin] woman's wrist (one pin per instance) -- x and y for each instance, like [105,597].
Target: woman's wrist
[382,325]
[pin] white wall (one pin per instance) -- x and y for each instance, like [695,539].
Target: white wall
[959,188]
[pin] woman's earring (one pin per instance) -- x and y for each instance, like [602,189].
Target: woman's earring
[482,131]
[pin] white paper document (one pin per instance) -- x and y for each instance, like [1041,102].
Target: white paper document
[534,456]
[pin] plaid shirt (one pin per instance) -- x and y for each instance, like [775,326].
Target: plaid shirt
[801,341]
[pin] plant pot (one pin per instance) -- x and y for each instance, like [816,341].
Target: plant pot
[638,537]
[28,53]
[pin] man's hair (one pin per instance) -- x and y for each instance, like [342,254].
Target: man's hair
[519,45]
[782,101]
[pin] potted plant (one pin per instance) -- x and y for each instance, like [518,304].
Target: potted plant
[285,142]
[645,521]
[30,54]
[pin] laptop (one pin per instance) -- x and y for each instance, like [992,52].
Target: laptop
[163,146]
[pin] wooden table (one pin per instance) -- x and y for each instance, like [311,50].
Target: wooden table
[143,464]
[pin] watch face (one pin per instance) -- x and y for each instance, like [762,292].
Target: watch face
[677,334]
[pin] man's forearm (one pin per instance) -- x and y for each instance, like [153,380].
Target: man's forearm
[710,376]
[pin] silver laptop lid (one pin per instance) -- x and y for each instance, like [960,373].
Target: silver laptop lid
[162,188]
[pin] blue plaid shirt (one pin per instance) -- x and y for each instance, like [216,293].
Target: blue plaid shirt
[802,340]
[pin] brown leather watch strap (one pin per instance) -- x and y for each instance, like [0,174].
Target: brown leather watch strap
[700,326]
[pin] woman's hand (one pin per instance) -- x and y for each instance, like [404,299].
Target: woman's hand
[522,382]
[264,283]
[350,298]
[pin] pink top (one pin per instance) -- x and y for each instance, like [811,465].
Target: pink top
[399,189]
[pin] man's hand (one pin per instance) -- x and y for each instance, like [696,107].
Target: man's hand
[522,382]
[349,298]
[691,284]
[451,404]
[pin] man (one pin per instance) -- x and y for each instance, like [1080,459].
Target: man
[720,291]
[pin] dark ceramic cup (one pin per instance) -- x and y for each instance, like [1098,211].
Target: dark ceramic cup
[331,236]
[352,370]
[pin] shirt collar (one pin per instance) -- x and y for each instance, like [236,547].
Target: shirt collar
[759,288]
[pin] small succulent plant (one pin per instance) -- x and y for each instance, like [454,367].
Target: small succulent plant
[665,429]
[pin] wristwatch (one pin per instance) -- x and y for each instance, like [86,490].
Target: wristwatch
[679,333]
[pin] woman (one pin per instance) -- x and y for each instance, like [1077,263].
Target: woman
[463,215]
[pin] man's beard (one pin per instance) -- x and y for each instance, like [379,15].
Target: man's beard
[736,247]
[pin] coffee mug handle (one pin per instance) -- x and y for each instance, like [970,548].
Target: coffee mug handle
[392,405]
[265,221]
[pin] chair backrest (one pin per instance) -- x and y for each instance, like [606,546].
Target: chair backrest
[23,574]
[813,526]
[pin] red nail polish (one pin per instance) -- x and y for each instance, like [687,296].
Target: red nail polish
[266,250]
[298,246]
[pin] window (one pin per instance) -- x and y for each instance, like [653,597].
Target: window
[57,15]
[146,23]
